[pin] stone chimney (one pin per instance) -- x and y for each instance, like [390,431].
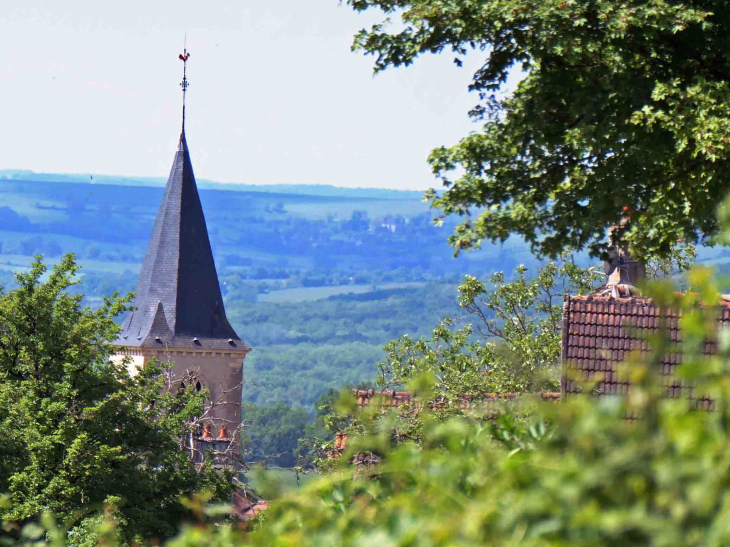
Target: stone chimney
[623,272]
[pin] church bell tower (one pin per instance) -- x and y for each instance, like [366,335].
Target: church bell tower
[179,315]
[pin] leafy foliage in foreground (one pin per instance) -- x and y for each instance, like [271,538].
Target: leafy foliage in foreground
[576,474]
[81,439]
[621,104]
[595,479]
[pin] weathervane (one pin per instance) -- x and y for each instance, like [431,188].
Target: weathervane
[184,84]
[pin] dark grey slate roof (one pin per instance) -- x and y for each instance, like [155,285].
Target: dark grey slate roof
[178,300]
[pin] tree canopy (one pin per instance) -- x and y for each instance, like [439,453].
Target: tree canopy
[623,109]
[576,473]
[81,438]
[272,432]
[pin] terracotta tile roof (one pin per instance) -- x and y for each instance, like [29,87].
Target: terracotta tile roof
[384,397]
[246,506]
[391,398]
[601,331]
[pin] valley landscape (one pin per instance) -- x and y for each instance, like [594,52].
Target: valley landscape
[316,279]
[321,351]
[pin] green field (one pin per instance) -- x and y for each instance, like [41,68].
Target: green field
[277,479]
[22,263]
[305,294]
[344,210]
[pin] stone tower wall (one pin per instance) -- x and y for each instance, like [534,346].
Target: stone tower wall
[221,372]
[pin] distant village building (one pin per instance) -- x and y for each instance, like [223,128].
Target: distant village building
[180,317]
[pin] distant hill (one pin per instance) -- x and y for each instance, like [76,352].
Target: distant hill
[325,190]
[316,278]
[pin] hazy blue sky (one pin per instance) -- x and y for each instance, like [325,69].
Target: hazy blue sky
[276,96]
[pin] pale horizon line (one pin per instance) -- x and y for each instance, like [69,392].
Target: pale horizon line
[6,175]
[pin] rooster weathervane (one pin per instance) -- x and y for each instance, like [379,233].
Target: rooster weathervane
[184,84]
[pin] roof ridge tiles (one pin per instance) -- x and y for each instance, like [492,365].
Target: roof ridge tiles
[366,395]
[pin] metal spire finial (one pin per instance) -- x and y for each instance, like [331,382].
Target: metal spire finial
[184,84]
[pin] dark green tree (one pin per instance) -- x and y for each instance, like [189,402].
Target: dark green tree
[624,107]
[80,436]
[272,433]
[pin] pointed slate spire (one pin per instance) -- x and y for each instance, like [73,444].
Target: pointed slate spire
[178,301]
